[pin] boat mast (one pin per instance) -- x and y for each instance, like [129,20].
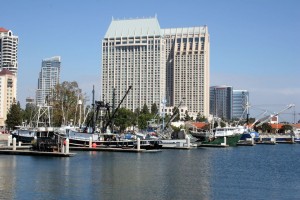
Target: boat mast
[93,106]
[164,101]
[113,109]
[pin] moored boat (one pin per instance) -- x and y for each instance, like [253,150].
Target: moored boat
[218,135]
[88,134]
[40,127]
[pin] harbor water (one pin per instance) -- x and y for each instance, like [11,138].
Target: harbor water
[259,172]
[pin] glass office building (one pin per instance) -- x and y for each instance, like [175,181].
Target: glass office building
[221,101]
[48,78]
[240,99]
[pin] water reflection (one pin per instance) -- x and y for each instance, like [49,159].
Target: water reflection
[170,174]
[7,176]
[105,175]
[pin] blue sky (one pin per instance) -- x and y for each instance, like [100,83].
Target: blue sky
[255,44]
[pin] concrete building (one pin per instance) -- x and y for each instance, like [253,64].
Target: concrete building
[133,54]
[169,111]
[171,64]
[187,65]
[48,78]
[8,88]
[240,99]
[221,101]
[8,50]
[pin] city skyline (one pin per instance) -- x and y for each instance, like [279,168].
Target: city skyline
[254,44]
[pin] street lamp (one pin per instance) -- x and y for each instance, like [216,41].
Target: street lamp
[79,104]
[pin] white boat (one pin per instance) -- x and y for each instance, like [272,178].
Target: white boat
[229,131]
[40,127]
[296,132]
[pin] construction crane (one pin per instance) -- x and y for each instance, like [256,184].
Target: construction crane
[267,118]
[110,120]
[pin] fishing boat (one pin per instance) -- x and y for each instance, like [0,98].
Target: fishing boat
[218,135]
[40,127]
[88,134]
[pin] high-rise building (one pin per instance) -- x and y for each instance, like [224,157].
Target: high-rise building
[240,99]
[8,50]
[8,88]
[171,64]
[187,51]
[48,78]
[133,54]
[221,101]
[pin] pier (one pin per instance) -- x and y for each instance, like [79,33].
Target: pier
[7,149]
[131,150]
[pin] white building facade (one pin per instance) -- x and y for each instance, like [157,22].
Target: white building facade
[171,64]
[133,54]
[8,93]
[187,51]
[8,50]
[48,79]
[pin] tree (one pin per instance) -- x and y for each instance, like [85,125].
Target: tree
[222,124]
[29,112]
[187,117]
[124,118]
[266,128]
[14,116]
[200,118]
[145,109]
[285,128]
[65,102]
[154,109]
[143,120]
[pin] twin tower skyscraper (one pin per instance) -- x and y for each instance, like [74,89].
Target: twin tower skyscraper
[160,64]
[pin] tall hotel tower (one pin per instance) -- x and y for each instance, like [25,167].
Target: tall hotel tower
[8,50]
[48,78]
[171,64]
[187,51]
[133,54]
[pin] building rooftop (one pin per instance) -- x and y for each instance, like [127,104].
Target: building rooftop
[3,29]
[133,27]
[54,58]
[186,31]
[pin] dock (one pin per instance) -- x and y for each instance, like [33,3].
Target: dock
[7,149]
[180,144]
[245,144]
[213,145]
[176,147]
[131,150]
[25,150]
[266,142]
[35,153]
